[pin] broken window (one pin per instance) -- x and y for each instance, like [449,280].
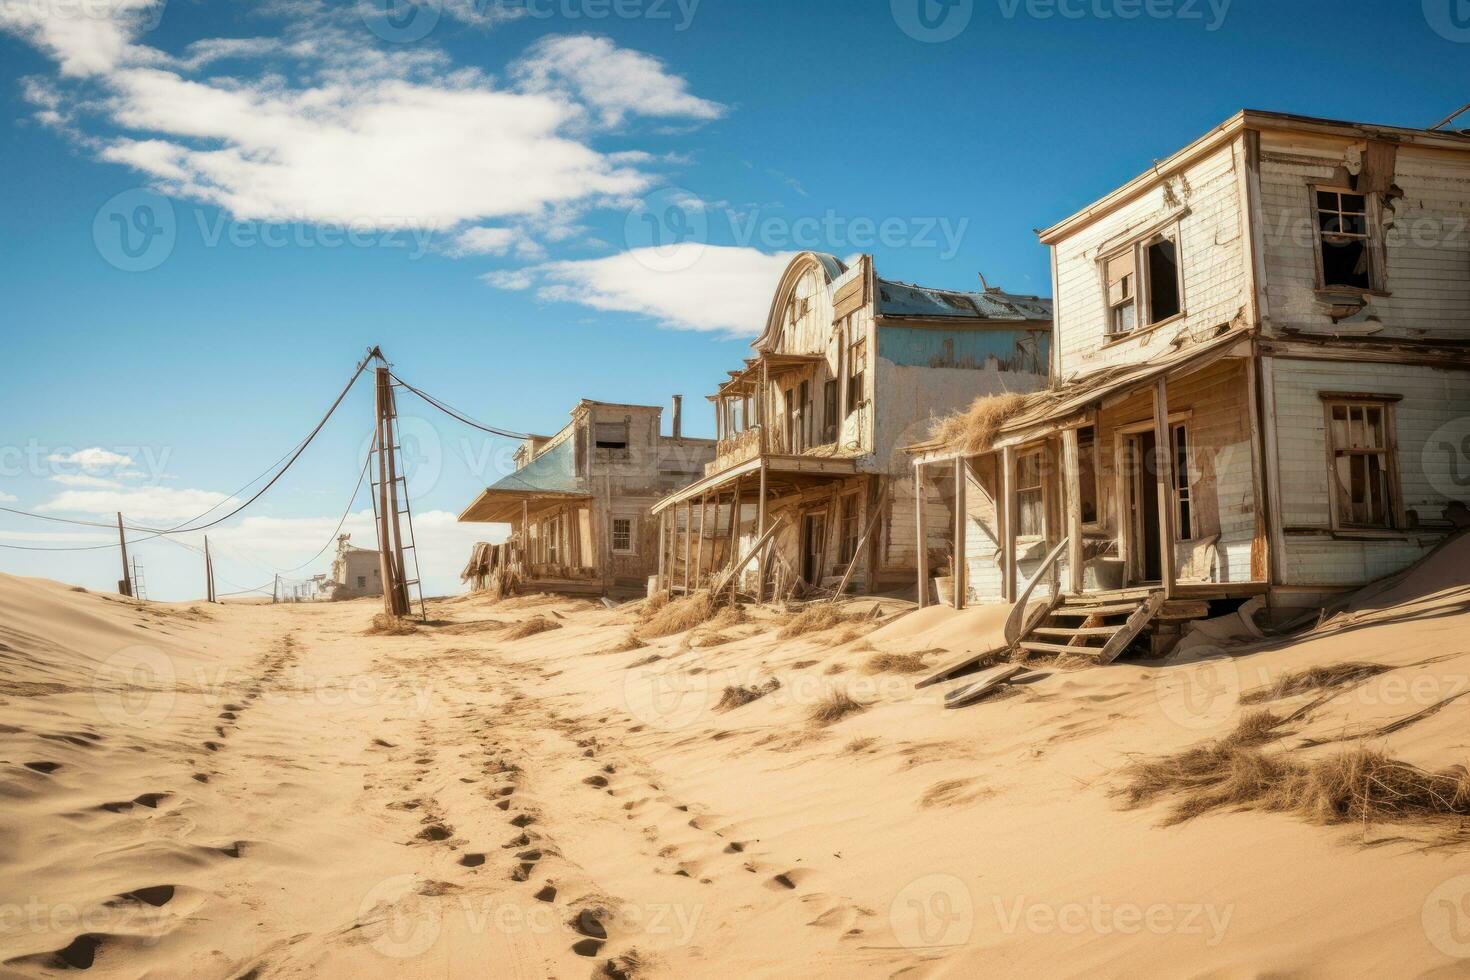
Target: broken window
[1363,468]
[829,410]
[1343,244]
[1183,502]
[857,363]
[1163,279]
[847,530]
[1030,497]
[612,435]
[791,420]
[1087,473]
[804,410]
[622,534]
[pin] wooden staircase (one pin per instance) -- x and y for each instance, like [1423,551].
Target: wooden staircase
[1098,626]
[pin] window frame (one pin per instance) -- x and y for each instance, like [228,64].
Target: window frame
[857,372]
[1140,298]
[611,446]
[612,527]
[1394,513]
[1370,237]
[1039,489]
[849,517]
[1096,523]
[1183,470]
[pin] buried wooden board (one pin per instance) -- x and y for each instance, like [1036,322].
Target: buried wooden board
[983,683]
[945,673]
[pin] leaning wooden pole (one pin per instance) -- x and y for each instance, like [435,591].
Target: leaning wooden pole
[125,584]
[390,431]
[208,572]
[385,562]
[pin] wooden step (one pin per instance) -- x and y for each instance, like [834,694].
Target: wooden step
[1035,647]
[1077,631]
[1119,609]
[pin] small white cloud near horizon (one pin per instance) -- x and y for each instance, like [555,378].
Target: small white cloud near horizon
[8,498]
[142,503]
[84,480]
[717,288]
[94,458]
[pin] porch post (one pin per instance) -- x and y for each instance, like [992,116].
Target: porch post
[735,515]
[663,531]
[921,539]
[525,538]
[1164,469]
[699,555]
[961,519]
[1072,479]
[760,532]
[688,540]
[1012,522]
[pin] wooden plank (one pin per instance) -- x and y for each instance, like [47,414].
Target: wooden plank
[1012,521]
[961,522]
[760,589]
[1164,473]
[1077,631]
[862,543]
[1184,609]
[1038,647]
[1110,609]
[947,672]
[981,685]
[1136,622]
[733,574]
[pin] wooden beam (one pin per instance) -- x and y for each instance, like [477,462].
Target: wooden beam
[921,541]
[663,543]
[1072,480]
[1012,523]
[760,532]
[699,553]
[961,524]
[688,541]
[1164,471]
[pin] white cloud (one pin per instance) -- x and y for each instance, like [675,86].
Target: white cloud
[613,81]
[83,480]
[486,240]
[322,126]
[142,503]
[686,287]
[510,278]
[95,458]
[8,498]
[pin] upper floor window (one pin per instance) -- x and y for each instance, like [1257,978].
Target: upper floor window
[829,410]
[622,534]
[1145,284]
[612,435]
[1344,244]
[857,364]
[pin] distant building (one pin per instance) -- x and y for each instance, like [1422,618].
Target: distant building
[578,502]
[355,571]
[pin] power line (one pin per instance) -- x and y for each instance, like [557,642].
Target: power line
[457,414]
[346,513]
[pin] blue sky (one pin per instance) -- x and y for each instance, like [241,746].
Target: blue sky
[528,203]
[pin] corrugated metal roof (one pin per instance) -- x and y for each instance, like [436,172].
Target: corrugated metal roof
[554,471]
[906,299]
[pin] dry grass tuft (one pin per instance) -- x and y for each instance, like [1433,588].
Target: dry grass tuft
[530,627]
[385,625]
[1314,679]
[736,696]
[677,616]
[1359,784]
[813,619]
[896,663]
[727,617]
[859,746]
[974,429]
[836,706]
[652,658]
[628,644]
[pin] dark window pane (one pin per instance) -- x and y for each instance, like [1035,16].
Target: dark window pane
[1345,264]
[1326,201]
[1163,281]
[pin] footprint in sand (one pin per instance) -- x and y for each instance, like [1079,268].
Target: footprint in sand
[435,832]
[529,860]
[472,860]
[43,767]
[154,895]
[596,781]
[522,820]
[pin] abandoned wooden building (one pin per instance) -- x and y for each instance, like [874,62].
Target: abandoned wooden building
[1261,386]
[356,572]
[848,369]
[578,502]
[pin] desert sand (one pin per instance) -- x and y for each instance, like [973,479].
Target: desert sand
[251,790]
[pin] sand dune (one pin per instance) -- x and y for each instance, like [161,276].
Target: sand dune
[254,790]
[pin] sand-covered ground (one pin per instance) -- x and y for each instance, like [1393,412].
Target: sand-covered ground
[262,791]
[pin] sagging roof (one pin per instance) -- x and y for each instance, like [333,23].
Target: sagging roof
[1044,411]
[550,477]
[902,299]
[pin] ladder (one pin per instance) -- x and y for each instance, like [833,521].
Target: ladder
[409,546]
[140,590]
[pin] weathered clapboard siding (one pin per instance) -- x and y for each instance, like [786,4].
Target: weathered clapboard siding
[1206,196]
[1430,426]
[1426,236]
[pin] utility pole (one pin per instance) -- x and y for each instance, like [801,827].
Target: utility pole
[390,540]
[208,573]
[125,586]
[275,589]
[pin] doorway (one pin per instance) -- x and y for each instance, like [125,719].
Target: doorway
[813,545]
[1145,563]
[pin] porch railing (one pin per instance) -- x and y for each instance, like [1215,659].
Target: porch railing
[1018,624]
